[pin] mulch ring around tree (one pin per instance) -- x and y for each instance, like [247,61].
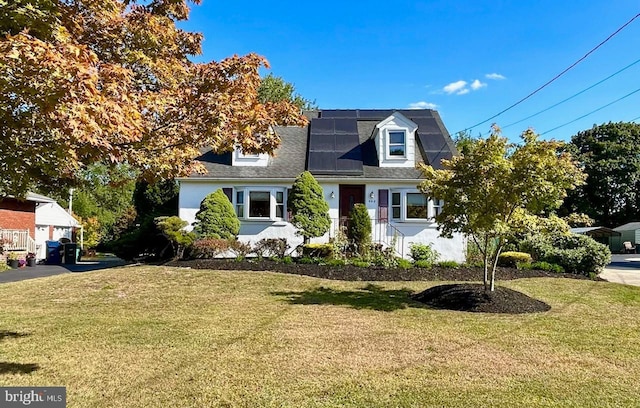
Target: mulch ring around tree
[472,297]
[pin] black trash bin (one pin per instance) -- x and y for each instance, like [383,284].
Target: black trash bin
[53,253]
[70,253]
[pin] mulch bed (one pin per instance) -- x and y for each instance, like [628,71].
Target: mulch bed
[354,273]
[471,297]
[468,297]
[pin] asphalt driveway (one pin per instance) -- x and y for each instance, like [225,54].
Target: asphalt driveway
[42,271]
[623,269]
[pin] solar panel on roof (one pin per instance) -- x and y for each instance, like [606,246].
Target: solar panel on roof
[346,126]
[427,125]
[322,143]
[433,141]
[323,126]
[322,161]
[339,113]
[416,113]
[334,146]
[374,114]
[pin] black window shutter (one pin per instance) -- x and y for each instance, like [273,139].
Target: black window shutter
[228,192]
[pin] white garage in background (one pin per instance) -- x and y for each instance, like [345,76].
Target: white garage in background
[52,224]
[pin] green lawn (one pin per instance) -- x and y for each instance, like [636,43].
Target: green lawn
[168,337]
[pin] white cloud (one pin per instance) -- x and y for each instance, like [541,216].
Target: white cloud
[422,105]
[476,84]
[495,76]
[457,87]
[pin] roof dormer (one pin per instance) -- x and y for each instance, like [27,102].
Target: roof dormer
[239,158]
[395,139]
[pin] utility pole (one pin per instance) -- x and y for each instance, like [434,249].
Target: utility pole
[71,200]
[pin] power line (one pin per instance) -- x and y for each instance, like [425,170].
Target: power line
[557,76]
[593,111]
[572,96]
[634,119]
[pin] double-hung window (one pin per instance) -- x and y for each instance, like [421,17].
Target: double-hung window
[397,144]
[260,203]
[410,205]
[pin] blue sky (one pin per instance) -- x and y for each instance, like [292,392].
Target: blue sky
[467,59]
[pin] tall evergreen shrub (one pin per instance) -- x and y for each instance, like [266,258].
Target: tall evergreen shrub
[309,209]
[216,218]
[359,228]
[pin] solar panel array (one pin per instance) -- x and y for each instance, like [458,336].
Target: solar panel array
[334,146]
[373,114]
[432,141]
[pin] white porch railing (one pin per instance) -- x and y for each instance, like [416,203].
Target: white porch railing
[382,233]
[17,240]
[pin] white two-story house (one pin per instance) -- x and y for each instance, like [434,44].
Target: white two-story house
[357,156]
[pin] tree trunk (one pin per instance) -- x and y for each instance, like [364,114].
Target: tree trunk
[493,270]
[485,263]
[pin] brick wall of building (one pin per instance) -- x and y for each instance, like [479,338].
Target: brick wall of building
[15,214]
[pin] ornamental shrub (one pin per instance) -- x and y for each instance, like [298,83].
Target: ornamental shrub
[404,264]
[448,264]
[309,209]
[216,218]
[577,254]
[511,259]
[423,264]
[423,252]
[273,247]
[359,228]
[207,248]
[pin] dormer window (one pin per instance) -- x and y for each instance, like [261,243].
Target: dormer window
[397,144]
[241,158]
[243,155]
[395,139]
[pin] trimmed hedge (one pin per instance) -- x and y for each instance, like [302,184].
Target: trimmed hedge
[578,254]
[511,259]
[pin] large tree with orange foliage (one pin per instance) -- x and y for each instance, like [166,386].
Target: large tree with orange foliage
[110,81]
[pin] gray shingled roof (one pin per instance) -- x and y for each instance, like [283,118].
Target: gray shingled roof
[290,158]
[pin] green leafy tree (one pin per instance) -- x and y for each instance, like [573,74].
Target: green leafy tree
[173,229]
[309,209]
[275,89]
[103,195]
[359,228]
[489,188]
[610,157]
[216,217]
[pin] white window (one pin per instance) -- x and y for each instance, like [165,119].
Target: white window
[260,203]
[412,205]
[416,205]
[397,144]
[243,155]
[437,206]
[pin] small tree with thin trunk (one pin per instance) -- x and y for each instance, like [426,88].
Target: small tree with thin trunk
[493,184]
[309,209]
[216,218]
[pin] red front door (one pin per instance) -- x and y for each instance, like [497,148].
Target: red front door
[350,195]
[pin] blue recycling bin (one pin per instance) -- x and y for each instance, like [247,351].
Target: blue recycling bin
[53,253]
